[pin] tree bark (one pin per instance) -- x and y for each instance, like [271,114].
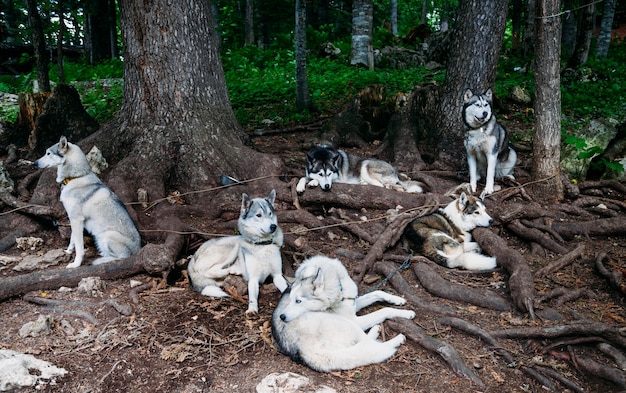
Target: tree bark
[584,33]
[176,129]
[362,24]
[303,100]
[604,38]
[39,44]
[473,60]
[547,136]
[249,23]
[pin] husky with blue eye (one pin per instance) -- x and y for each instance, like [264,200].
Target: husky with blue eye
[253,254]
[489,154]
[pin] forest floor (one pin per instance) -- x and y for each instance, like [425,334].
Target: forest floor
[176,340]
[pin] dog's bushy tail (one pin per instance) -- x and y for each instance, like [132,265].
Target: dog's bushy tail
[364,352]
[473,261]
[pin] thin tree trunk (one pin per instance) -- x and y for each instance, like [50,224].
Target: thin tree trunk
[394,16]
[39,43]
[249,22]
[303,101]
[547,137]
[583,36]
[604,38]
[528,41]
[60,41]
[362,25]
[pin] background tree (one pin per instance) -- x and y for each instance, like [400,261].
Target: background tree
[176,129]
[472,63]
[584,33]
[249,22]
[303,100]
[604,38]
[547,136]
[101,30]
[362,52]
[39,44]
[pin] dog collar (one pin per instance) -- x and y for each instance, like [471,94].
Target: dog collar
[67,180]
[264,242]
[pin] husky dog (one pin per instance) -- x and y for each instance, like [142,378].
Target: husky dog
[325,165]
[90,205]
[315,321]
[445,236]
[254,254]
[486,143]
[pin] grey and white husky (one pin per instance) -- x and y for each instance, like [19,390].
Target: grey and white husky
[315,321]
[487,144]
[254,254]
[90,205]
[325,165]
[445,236]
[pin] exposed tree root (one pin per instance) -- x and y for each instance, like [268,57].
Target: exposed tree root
[564,295]
[405,290]
[574,329]
[599,227]
[604,371]
[559,377]
[441,348]
[438,286]
[616,279]
[521,283]
[561,262]
[618,356]
[467,327]
[535,235]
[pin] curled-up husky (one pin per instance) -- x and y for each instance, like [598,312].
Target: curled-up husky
[487,144]
[90,205]
[254,254]
[325,165]
[445,238]
[315,322]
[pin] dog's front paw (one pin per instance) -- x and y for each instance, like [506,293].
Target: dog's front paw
[408,314]
[301,186]
[252,312]
[313,183]
[73,265]
[69,250]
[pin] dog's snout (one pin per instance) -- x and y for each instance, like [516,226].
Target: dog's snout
[326,187]
[485,114]
[283,317]
[490,221]
[273,227]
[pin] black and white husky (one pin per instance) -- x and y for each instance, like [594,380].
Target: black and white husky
[325,165]
[445,238]
[90,206]
[315,321]
[487,144]
[254,254]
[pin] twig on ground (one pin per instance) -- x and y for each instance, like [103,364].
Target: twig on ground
[561,262]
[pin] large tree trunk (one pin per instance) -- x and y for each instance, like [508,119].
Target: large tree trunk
[604,38]
[476,42]
[176,129]
[547,136]
[362,24]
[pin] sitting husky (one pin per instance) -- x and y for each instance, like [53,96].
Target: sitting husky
[90,205]
[325,165]
[486,143]
[315,321]
[445,237]
[254,254]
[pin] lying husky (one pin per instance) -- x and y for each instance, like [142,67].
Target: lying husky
[487,144]
[445,237]
[90,205]
[315,321]
[325,165]
[254,254]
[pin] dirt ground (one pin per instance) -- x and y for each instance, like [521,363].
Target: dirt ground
[176,340]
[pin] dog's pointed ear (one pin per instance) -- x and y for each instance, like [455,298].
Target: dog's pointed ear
[245,202]
[63,145]
[489,94]
[462,200]
[483,195]
[271,197]
[309,156]
[467,95]
[318,281]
